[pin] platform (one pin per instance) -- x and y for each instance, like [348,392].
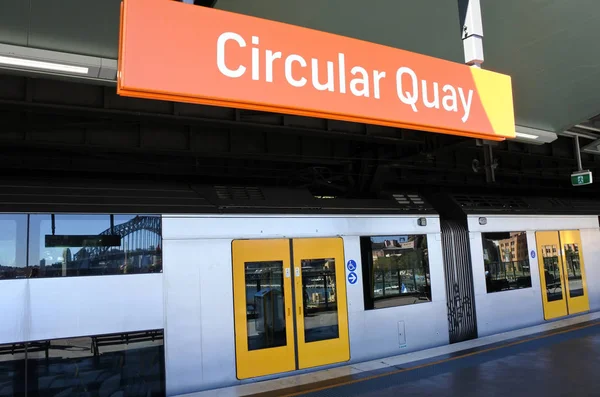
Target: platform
[556,358]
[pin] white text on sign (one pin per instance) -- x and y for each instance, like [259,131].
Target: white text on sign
[410,89]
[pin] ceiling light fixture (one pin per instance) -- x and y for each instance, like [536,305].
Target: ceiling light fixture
[526,136]
[533,136]
[35,61]
[57,67]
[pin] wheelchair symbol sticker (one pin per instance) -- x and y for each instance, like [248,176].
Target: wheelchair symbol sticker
[351,265]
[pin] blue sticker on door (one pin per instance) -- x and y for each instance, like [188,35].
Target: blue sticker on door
[352,278]
[351,265]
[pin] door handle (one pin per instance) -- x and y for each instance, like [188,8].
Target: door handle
[289,312]
[299,310]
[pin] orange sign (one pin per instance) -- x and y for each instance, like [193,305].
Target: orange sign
[181,52]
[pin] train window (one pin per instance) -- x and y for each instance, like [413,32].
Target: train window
[506,260]
[265,309]
[12,370]
[92,245]
[13,246]
[573,267]
[123,364]
[395,271]
[320,300]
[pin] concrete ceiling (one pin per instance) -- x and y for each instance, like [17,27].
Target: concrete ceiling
[429,27]
[547,46]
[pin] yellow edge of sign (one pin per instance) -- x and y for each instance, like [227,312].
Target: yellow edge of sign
[495,92]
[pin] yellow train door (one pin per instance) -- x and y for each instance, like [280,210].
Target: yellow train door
[562,273]
[262,294]
[321,309]
[289,317]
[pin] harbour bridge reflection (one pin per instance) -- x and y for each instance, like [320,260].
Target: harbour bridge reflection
[139,252]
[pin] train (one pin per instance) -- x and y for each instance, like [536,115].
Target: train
[172,289]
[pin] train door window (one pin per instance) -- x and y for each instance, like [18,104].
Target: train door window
[264,302]
[506,261]
[271,295]
[319,299]
[552,273]
[562,273]
[395,271]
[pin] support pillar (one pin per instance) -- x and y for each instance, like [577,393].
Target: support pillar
[472,36]
[577,153]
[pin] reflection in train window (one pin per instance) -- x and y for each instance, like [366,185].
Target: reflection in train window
[320,299]
[506,261]
[92,245]
[395,271]
[125,364]
[265,310]
[12,370]
[552,273]
[573,267]
[13,246]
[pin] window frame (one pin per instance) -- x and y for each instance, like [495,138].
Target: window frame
[31,243]
[367,266]
[513,253]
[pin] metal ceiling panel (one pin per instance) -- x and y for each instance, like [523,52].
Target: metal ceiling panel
[429,27]
[79,26]
[548,47]
[91,27]
[14,21]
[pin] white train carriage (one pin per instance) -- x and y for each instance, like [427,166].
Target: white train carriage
[257,296]
[206,287]
[256,282]
[533,259]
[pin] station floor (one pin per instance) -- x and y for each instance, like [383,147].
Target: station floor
[558,358]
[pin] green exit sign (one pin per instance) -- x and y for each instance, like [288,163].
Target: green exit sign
[581,178]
